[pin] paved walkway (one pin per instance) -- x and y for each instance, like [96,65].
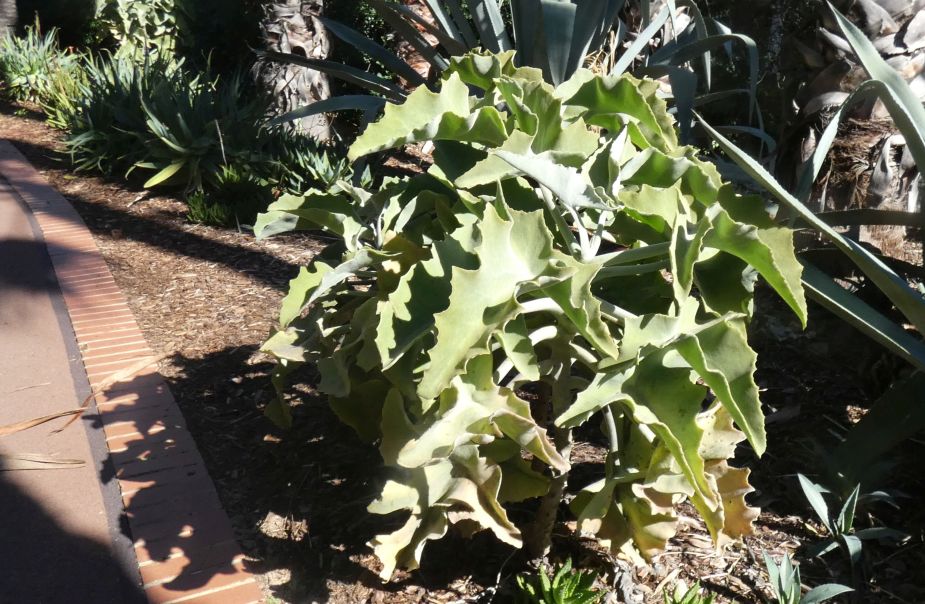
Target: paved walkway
[141,520]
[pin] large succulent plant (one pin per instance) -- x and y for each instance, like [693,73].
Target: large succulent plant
[564,259]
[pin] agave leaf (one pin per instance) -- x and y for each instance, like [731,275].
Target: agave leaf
[824,592]
[846,515]
[872,216]
[862,316]
[455,23]
[358,102]
[905,107]
[642,40]
[450,44]
[408,32]
[349,74]
[683,89]
[689,51]
[813,494]
[490,24]
[896,416]
[165,174]
[892,285]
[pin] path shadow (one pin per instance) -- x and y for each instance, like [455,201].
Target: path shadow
[103,220]
[298,499]
[45,563]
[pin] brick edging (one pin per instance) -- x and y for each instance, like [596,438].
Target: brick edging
[183,540]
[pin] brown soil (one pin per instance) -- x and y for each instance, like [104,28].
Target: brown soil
[209,297]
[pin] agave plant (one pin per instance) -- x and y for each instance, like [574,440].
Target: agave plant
[481,312]
[555,36]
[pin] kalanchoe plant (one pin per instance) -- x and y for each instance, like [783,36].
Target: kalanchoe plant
[563,260]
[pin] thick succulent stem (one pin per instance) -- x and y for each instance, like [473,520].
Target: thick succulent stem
[538,536]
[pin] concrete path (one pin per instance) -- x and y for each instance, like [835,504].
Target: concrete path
[57,538]
[142,520]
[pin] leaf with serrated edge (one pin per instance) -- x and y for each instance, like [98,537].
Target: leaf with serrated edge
[513,252]
[428,116]
[722,357]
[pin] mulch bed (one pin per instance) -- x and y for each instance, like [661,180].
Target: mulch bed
[208,297]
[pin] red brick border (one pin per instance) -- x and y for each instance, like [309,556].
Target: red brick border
[183,539]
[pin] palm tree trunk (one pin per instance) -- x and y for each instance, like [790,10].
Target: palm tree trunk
[8,15]
[292,26]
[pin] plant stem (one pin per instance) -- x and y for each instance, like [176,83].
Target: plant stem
[538,536]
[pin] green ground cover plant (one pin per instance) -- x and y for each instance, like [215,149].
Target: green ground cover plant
[687,595]
[564,259]
[563,586]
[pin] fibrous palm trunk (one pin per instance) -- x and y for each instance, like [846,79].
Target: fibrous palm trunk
[8,15]
[292,26]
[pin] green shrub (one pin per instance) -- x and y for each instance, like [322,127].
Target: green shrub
[564,259]
[182,129]
[31,65]
[196,128]
[236,199]
[108,131]
[300,163]
[66,90]
[160,118]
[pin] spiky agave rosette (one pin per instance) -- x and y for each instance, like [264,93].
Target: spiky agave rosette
[563,244]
